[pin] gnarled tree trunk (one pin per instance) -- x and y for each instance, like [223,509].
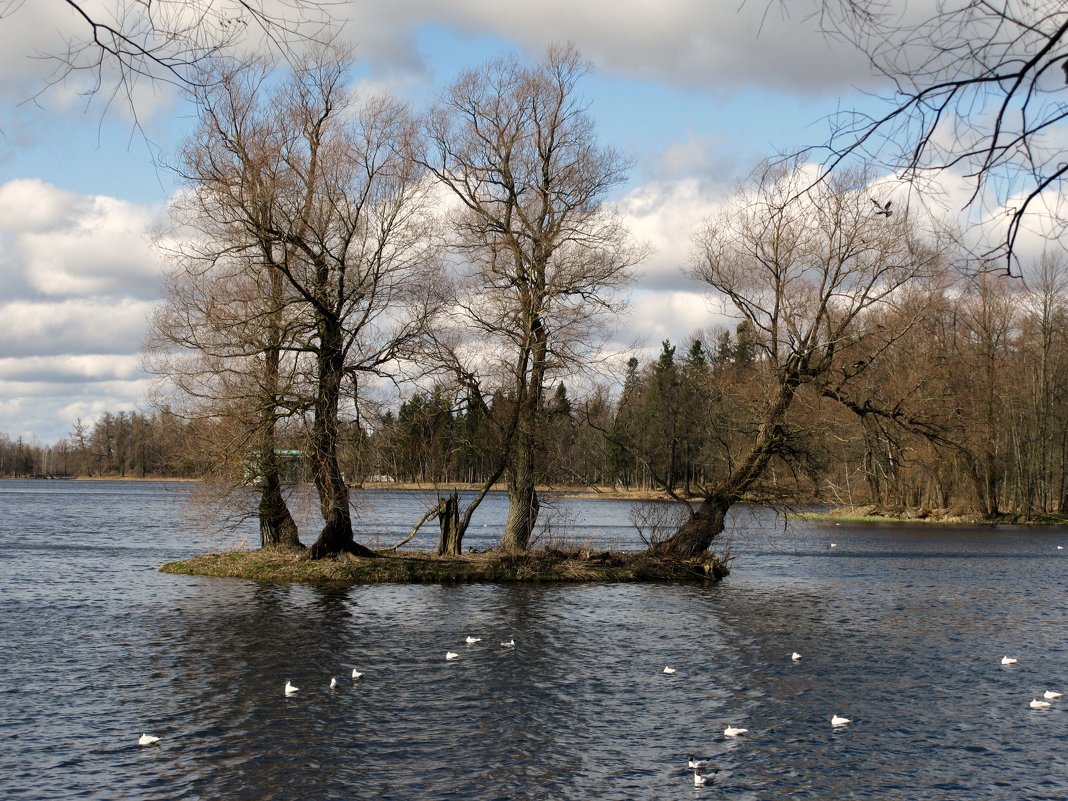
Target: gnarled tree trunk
[336,536]
[523,501]
[454,525]
[452,535]
[276,523]
[695,536]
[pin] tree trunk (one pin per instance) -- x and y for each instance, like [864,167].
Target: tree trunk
[523,501]
[871,469]
[336,536]
[452,532]
[696,534]
[276,523]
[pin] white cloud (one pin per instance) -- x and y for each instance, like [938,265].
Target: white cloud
[28,205]
[48,410]
[684,42]
[71,369]
[61,244]
[73,327]
[665,215]
[678,315]
[41,41]
[30,31]
[79,281]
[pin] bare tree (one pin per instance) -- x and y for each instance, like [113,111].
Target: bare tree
[517,149]
[805,265]
[325,194]
[979,91]
[223,340]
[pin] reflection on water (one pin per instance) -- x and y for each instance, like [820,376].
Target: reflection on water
[901,629]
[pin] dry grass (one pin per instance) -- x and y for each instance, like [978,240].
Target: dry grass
[285,565]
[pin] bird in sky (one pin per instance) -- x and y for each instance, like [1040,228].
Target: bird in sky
[883,209]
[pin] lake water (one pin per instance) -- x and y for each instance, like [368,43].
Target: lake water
[901,629]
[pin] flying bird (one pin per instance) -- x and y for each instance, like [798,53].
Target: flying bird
[147,739]
[883,209]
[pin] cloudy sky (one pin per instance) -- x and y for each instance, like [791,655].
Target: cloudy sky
[694,92]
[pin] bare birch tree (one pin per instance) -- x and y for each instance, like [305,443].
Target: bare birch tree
[223,340]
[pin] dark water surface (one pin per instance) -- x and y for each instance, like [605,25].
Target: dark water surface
[901,628]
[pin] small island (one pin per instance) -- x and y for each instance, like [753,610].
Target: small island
[283,564]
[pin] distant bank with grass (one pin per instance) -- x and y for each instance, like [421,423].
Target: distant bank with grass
[879,514]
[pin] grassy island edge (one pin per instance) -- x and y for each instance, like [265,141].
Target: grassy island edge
[291,565]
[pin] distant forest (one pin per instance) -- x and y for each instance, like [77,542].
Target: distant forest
[984,430]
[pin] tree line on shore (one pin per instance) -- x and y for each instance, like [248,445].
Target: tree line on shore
[984,429]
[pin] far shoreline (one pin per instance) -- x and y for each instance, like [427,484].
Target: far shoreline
[801,510]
